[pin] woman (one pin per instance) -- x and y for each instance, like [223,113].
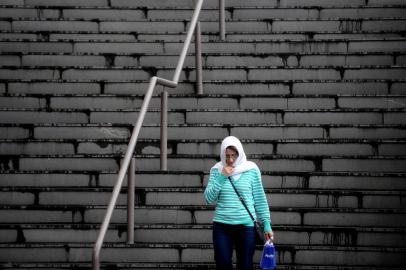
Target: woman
[232,225]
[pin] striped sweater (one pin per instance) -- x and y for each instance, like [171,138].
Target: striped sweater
[229,209]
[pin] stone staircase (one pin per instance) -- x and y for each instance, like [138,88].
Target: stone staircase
[316,90]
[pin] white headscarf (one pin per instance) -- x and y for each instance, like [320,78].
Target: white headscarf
[241,164]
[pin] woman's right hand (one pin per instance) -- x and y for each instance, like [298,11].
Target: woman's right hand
[227,170]
[269,236]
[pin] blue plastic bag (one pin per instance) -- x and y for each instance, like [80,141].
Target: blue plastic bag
[268,259]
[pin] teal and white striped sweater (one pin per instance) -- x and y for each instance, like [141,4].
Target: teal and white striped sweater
[229,209]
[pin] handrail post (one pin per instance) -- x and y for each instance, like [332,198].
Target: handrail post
[222,20]
[164,131]
[95,260]
[198,60]
[130,202]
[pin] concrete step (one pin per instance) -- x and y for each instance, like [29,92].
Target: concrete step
[109,13]
[205,36]
[181,266]
[278,37]
[187,163]
[275,74]
[170,179]
[188,253]
[209,3]
[194,197]
[271,180]
[195,131]
[177,234]
[242,87]
[329,147]
[209,60]
[210,102]
[259,88]
[258,47]
[143,266]
[194,116]
[206,14]
[200,215]
[363,25]
[317,13]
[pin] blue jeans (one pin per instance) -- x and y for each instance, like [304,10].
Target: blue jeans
[225,237]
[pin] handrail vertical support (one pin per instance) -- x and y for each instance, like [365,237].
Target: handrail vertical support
[130,202]
[222,20]
[198,60]
[95,260]
[164,131]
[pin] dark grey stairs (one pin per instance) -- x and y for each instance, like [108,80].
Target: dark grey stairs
[315,89]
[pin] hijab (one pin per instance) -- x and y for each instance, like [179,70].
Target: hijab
[241,164]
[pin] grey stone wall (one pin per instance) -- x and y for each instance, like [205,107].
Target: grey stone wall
[315,89]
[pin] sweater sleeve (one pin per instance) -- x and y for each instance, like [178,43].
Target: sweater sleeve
[216,181]
[261,203]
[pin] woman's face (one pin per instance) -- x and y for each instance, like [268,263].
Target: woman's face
[231,156]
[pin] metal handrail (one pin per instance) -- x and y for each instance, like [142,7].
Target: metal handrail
[222,19]
[130,149]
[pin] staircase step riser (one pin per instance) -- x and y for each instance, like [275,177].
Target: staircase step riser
[208,4]
[278,164]
[196,255]
[195,216]
[233,26]
[202,236]
[261,133]
[239,13]
[150,198]
[299,182]
[211,103]
[84,61]
[282,47]
[208,117]
[255,88]
[306,149]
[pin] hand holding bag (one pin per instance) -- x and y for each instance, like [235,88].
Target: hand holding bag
[268,259]
[259,228]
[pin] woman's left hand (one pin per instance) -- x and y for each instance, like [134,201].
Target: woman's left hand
[269,235]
